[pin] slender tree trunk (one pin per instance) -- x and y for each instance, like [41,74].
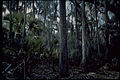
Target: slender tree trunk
[98,47]
[23,33]
[91,30]
[63,64]
[10,19]
[55,13]
[72,27]
[23,38]
[1,42]
[72,31]
[106,30]
[17,7]
[83,35]
[45,14]
[76,20]
[33,9]
[77,35]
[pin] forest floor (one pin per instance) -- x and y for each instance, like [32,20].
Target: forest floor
[46,72]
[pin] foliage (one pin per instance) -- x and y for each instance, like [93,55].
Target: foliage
[9,54]
[33,44]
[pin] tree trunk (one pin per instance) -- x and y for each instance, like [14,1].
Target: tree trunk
[98,47]
[17,7]
[55,13]
[33,9]
[83,35]
[23,37]
[10,19]
[23,33]
[76,20]
[63,64]
[106,31]
[1,42]
[45,14]
[77,35]
[72,30]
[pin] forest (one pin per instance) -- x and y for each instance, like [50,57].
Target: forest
[60,39]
